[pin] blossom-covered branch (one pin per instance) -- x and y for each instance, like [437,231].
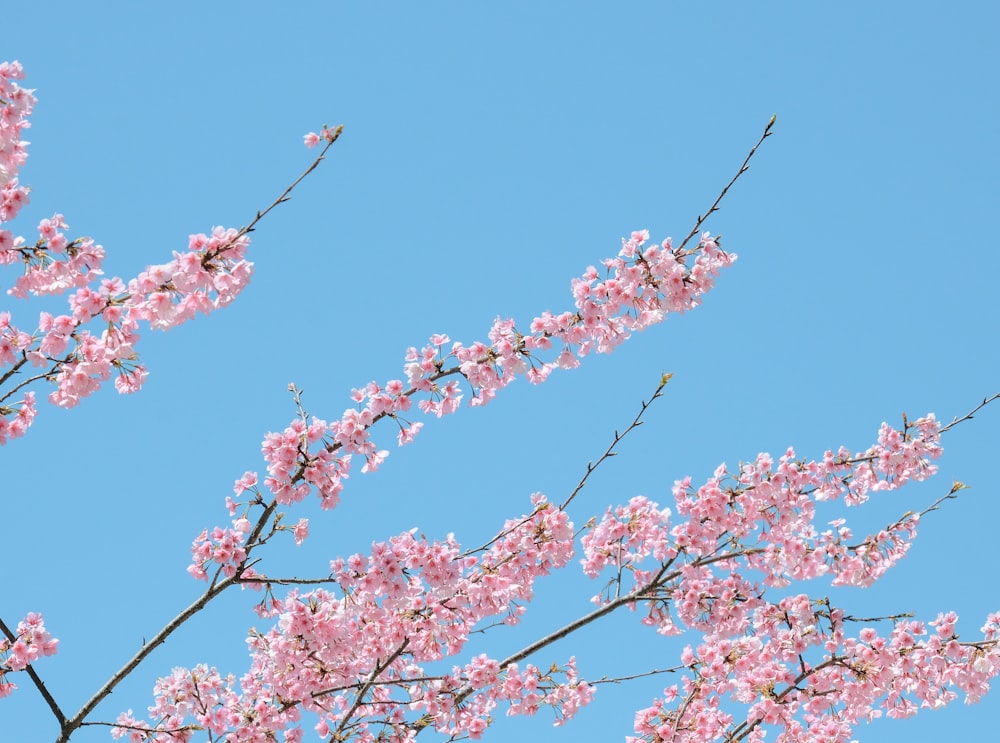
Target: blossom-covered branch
[62,349]
[356,657]
[77,360]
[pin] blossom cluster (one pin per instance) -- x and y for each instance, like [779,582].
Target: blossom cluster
[791,662]
[763,514]
[31,642]
[207,276]
[16,104]
[643,284]
[355,656]
[854,679]
[62,348]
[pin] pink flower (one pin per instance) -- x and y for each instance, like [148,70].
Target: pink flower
[301,531]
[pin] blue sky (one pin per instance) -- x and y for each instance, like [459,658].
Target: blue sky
[490,153]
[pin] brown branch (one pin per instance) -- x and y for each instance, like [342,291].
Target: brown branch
[715,206]
[24,383]
[76,721]
[286,194]
[591,466]
[620,679]
[610,452]
[968,416]
[13,370]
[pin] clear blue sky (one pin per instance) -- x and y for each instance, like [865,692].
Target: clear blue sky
[490,153]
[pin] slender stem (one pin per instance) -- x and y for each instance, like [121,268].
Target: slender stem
[968,416]
[267,580]
[743,169]
[644,674]
[591,466]
[25,382]
[610,451]
[286,193]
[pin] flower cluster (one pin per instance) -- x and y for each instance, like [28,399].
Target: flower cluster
[15,419]
[209,275]
[791,662]
[852,679]
[16,104]
[759,519]
[355,656]
[627,535]
[76,359]
[31,642]
[643,284]
[358,658]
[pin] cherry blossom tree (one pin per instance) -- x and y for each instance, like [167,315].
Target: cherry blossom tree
[383,646]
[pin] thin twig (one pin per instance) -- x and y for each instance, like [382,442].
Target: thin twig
[968,416]
[743,169]
[265,580]
[620,679]
[286,194]
[25,382]
[13,370]
[68,726]
[591,466]
[610,452]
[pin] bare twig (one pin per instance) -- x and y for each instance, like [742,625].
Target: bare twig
[610,452]
[743,169]
[968,416]
[620,679]
[591,466]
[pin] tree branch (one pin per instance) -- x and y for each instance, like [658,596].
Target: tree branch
[216,588]
[77,720]
[743,169]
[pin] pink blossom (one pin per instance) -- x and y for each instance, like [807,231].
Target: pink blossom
[301,531]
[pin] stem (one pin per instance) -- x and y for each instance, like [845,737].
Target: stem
[24,383]
[743,169]
[610,452]
[644,674]
[968,416]
[286,193]
[591,466]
